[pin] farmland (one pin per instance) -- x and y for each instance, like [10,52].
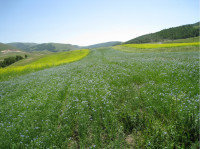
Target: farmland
[112,98]
[43,62]
[150,46]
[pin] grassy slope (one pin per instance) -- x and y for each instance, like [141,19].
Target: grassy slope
[2,56]
[54,47]
[22,45]
[46,61]
[6,47]
[180,32]
[150,48]
[109,99]
[32,57]
[64,47]
[192,39]
[105,44]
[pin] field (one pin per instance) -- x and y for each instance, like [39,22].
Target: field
[133,49]
[108,99]
[192,39]
[41,62]
[167,45]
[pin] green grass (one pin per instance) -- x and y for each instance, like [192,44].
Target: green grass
[46,61]
[6,47]
[32,57]
[109,99]
[192,39]
[152,50]
[2,56]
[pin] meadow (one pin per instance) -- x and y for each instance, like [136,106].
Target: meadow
[40,62]
[108,99]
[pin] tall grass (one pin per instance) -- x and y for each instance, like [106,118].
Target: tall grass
[45,62]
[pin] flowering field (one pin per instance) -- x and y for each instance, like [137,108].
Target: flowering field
[166,45]
[151,48]
[54,59]
[109,99]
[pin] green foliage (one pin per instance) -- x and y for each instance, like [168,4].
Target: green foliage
[43,62]
[180,32]
[10,60]
[104,101]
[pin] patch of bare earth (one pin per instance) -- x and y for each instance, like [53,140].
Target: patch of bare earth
[10,50]
[130,140]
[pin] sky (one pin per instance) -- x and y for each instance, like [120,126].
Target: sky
[86,22]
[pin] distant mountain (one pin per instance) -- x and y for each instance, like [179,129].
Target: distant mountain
[7,47]
[22,45]
[53,47]
[105,44]
[64,47]
[180,32]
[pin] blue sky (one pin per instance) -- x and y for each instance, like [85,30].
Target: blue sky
[85,22]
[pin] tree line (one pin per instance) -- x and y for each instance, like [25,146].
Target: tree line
[10,60]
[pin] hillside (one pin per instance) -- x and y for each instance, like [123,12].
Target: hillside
[64,47]
[180,32]
[6,47]
[22,45]
[52,47]
[186,40]
[105,44]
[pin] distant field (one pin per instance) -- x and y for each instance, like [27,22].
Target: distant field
[2,56]
[151,46]
[41,62]
[192,39]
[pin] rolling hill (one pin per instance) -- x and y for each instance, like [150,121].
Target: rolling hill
[64,47]
[22,45]
[6,47]
[105,44]
[53,47]
[180,32]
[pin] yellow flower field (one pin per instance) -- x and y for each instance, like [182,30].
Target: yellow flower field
[150,46]
[46,62]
